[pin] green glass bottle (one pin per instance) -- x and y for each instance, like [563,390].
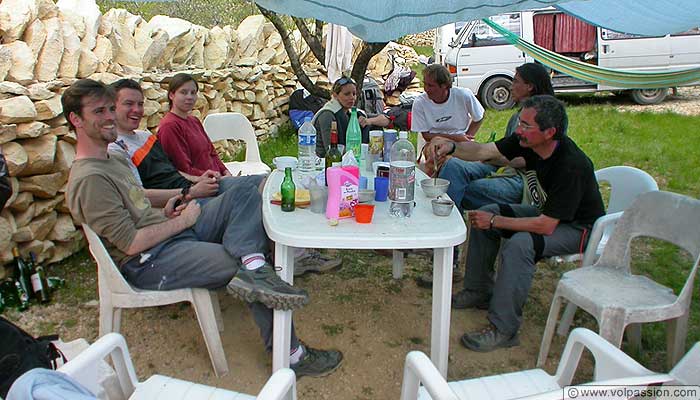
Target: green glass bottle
[9,293]
[22,280]
[40,285]
[288,190]
[333,156]
[55,282]
[353,136]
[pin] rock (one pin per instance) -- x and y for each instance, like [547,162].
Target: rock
[15,15]
[88,62]
[44,206]
[38,247]
[22,201]
[151,46]
[68,68]
[65,155]
[216,48]
[91,16]
[50,55]
[56,122]
[13,88]
[43,186]
[104,53]
[46,9]
[265,55]
[40,91]
[33,129]
[5,61]
[6,231]
[35,36]
[196,56]
[105,77]
[47,109]
[41,153]
[175,28]
[184,47]
[250,33]
[59,130]
[23,218]
[63,230]
[15,156]
[23,62]
[37,229]
[8,133]
[123,41]
[63,250]
[17,109]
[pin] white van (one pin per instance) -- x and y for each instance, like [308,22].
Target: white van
[482,60]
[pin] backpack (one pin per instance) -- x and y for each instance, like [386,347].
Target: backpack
[20,352]
[5,186]
[373,96]
[400,117]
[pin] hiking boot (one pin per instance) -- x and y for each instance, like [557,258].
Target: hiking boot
[313,261]
[265,286]
[425,280]
[317,363]
[489,339]
[469,299]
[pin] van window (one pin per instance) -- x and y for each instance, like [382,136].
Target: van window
[607,34]
[691,32]
[483,35]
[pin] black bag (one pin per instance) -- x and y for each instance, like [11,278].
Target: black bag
[5,187]
[400,117]
[20,352]
[373,96]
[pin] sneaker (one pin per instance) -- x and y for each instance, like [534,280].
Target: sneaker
[489,339]
[265,286]
[317,363]
[425,280]
[469,299]
[313,261]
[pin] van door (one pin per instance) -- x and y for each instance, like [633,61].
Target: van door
[685,49]
[632,52]
[485,53]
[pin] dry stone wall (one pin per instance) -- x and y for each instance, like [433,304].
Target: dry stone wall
[46,46]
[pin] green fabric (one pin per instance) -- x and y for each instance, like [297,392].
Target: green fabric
[596,74]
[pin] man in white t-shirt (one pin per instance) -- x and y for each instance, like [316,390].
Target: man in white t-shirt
[442,110]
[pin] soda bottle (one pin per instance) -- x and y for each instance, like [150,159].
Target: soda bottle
[353,136]
[307,147]
[288,190]
[402,176]
[40,285]
[333,156]
[22,276]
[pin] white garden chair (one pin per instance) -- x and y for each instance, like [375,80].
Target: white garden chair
[617,298]
[115,294]
[235,126]
[612,367]
[85,369]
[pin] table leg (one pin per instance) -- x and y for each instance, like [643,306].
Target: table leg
[282,324]
[442,297]
[398,263]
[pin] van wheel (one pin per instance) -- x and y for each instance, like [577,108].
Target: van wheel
[648,96]
[495,93]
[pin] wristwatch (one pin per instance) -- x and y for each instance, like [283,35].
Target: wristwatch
[185,191]
[454,147]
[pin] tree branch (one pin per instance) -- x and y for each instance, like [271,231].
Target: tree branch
[312,40]
[293,56]
[368,51]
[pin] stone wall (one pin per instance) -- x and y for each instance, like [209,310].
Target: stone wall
[46,46]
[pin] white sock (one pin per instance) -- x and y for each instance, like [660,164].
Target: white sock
[253,261]
[296,355]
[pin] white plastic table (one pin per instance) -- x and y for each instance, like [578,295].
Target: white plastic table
[423,229]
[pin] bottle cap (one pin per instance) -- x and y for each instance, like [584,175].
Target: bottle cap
[307,119]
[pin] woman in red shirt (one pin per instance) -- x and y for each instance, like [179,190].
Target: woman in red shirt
[182,136]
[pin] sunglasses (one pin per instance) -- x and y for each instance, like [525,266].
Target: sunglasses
[344,81]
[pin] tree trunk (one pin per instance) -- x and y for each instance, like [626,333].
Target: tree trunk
[359,69]
[313,41]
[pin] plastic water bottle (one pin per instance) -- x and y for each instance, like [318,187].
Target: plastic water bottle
[307,147]
[402,177]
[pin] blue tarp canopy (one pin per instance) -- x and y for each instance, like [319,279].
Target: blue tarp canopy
[385,20]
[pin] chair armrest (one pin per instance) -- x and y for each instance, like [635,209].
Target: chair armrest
[599,227]
[419,369]
[82,367]
[282,385]
[611,384]
[610,362]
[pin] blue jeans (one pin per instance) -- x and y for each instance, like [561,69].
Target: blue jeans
[470,189]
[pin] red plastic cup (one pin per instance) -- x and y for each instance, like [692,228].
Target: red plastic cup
[363,213]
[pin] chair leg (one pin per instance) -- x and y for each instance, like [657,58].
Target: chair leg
[106,318]
[217,310]
[611,327]
[117,319]
[398,263]
[567,319]
[549,330]
[204,308]
[676,333]
[634,337]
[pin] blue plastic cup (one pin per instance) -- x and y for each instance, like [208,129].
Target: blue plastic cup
[381,188]
[363,182]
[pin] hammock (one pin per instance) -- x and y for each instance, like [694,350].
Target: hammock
[594,73]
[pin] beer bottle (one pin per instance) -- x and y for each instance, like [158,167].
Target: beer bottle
[23,280]
[39,284]
[288,191]
[333,156]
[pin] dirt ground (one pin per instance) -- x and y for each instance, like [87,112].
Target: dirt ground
[359,309]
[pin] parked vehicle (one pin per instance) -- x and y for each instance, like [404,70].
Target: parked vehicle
[482,60]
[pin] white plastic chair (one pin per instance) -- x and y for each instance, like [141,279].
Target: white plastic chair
[612,367]
[626,183]
[116,293]
[235,126]
[617,298]
[84,367]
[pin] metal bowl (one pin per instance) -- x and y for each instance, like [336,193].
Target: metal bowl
[434,187]
[442,207]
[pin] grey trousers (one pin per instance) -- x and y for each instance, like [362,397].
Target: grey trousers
[208,254]
[509,287]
